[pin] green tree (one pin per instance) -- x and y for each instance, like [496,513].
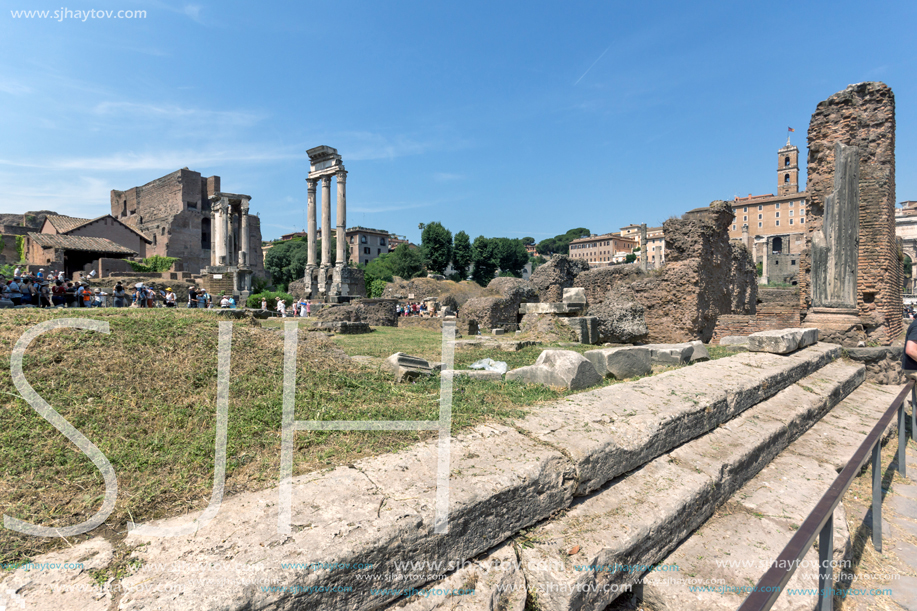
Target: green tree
[630,258]
[908,266]
[406,262]
[527,241]
[486,259]
[156,263]
[286,261]
[462,254]
[560,244]
[512,256]
[436,247]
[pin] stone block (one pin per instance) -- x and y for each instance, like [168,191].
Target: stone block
[782,341]
[550,308]
[344,327]
[575,295]
[405,367]
[585,327]
[734,340]
[671,354]
[498,331]
[700,351]
[621,363]
[559,368]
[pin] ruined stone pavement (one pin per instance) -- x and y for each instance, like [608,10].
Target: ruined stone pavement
[568,506]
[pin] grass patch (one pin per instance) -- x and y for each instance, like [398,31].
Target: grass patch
[145,394]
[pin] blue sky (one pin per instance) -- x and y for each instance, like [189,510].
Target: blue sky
[498,118]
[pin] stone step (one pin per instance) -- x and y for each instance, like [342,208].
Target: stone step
[738,544]
[640,518]
[612,430]
[381,510]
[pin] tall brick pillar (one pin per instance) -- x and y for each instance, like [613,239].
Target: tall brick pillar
[861,116]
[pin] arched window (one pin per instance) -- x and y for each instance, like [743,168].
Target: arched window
[786,179]
[786,161]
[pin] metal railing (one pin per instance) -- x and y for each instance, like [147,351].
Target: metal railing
[820,522]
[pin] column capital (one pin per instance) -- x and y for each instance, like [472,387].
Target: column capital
[327,178]
[244,205]
[311,184]
[342,176]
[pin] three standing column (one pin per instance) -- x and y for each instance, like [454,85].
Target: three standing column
[341,218]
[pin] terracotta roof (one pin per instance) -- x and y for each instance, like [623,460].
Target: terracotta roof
[75,242]
[63,224]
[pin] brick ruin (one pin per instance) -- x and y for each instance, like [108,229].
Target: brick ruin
[705,276]
[175,211]
[862,116]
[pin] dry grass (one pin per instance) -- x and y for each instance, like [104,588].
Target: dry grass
[145,394]
[865,560]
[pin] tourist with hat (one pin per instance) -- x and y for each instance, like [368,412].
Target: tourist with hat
[281,308]
[170,298]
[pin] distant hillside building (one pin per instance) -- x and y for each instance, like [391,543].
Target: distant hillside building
[176,212]
[774,224]
[601,250]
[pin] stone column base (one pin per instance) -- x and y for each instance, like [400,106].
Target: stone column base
[310,282]
[840,326]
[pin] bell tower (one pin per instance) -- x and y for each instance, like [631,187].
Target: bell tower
[788,169]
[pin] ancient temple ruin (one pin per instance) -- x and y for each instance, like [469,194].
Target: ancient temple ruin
[327,282]
[230,245]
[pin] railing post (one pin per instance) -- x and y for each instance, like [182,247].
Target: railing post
[913,411]
[877,495]
[825,568]
[902,442]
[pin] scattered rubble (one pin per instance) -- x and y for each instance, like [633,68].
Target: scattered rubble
[559,368]
[621,363]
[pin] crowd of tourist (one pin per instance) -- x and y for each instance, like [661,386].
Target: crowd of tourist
[299,308]
[53,289]
[411,309]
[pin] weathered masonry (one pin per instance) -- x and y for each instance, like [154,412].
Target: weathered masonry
[851,277]
[325,281]
[182,212]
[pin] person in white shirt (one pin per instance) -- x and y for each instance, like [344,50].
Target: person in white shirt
[170,298]
[281,307]
[16,272]
[224,302]
[302,308]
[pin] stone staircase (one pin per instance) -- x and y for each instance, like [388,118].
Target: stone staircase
[562,504]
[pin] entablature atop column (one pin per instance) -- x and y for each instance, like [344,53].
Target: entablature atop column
[324,161]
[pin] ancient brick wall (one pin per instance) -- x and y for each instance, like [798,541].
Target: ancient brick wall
[9,249]
[705,276]
[738,324]
[219,286]
[863,115]
[174,211]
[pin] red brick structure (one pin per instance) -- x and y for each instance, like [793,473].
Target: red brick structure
[863,115]
[175,212]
